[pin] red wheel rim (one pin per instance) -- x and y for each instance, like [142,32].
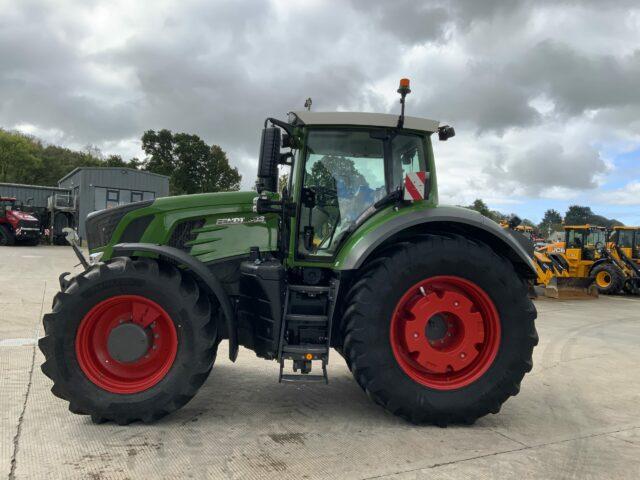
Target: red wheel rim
[92,344]
[445,332]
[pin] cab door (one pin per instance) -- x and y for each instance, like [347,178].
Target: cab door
[346,171]
[574,245]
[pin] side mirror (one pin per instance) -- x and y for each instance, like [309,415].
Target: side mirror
[445,132]
[416,186]
[269,157]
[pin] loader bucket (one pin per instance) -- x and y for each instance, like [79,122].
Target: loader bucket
[571,287]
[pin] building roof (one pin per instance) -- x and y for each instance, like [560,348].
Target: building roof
[305,117]
[40,187]
[75,170]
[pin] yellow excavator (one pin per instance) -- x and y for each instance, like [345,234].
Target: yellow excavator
[563,275]
[569,273]
[628,240]
[619,267]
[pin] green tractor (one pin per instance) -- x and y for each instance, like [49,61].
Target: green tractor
[427,304]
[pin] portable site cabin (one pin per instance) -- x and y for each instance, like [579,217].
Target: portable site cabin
[97,188]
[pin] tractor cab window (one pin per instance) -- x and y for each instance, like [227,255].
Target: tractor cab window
[596,238]
[6,205]
[625,238]
[576,238]
[344,175]
[407,156]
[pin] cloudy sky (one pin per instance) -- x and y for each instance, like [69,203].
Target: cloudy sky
[544,95]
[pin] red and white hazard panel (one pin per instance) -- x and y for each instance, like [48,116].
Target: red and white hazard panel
[416,185]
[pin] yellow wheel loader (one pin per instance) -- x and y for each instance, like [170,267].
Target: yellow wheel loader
[623,269]
[568,273]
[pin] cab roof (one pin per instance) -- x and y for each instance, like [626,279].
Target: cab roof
[584,227]
[364,119]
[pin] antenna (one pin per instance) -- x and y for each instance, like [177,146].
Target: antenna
[403,90]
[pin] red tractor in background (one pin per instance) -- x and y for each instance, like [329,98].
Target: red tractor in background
[16,225]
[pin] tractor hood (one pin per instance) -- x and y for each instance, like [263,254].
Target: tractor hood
[18,215]
[205,200]
[208,226]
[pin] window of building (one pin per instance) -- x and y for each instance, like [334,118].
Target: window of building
[136,196]
[113,198]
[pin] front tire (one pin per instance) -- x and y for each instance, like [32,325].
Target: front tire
[129,340]
[7,238]
[608,278]
[439,330]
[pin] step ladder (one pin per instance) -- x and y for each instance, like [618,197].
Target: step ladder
[304,354]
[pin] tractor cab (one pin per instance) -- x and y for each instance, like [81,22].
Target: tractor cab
[347,173]
[16,225]
[344,168]
[582,243]
[6,205]
[628,240]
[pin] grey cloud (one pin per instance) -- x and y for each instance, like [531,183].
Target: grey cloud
[408,21]
[548,164]
[577,82]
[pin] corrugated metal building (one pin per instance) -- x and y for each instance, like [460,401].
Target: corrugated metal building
[30,195]
[101,187]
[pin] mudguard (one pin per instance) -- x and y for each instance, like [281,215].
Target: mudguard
[202,272]
[436,219]
[600,262]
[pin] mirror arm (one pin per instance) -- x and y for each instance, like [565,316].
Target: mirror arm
[287,127]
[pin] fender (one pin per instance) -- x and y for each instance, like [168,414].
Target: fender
[600,262]
[199,270]
[437,219]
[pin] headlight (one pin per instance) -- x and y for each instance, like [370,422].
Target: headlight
[100,225]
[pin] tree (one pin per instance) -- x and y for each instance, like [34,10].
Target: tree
[58,161]
[551,222]
[577,215]
[218,175]
[18,162]
[479,206]
[159,149]
[115,161]
[334,172]
[192,166]
[134,163]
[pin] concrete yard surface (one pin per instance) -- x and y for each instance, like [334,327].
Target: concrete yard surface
[577,415]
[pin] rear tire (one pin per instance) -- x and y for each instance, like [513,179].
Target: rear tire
[7,238]
[608,278]
[382,360]
[176,360]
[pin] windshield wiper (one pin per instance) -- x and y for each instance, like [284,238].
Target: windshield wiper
[395,196]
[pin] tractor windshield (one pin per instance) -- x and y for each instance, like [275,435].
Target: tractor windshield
[581,238]
[346,173]
[7,204]
[625,238]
